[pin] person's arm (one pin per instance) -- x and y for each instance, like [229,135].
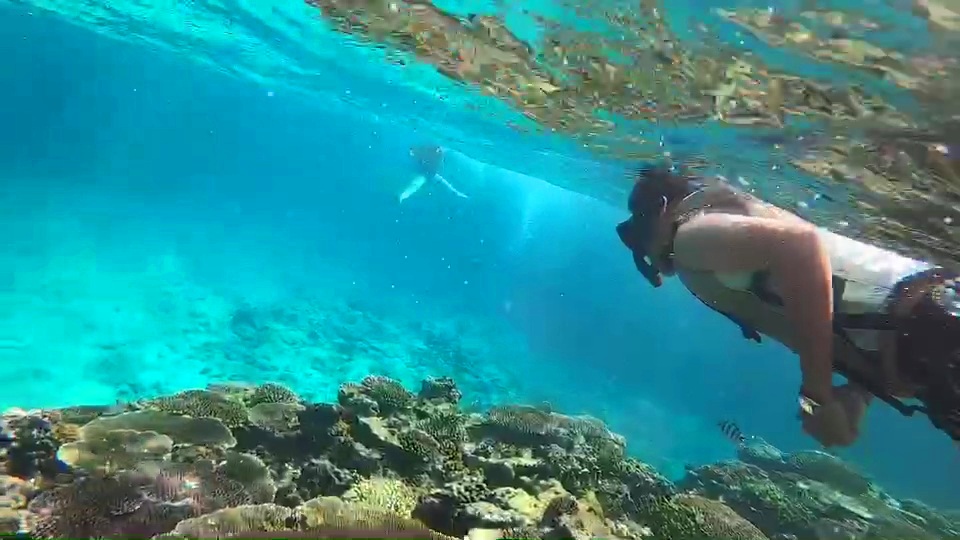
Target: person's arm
[798,264]
[413,187]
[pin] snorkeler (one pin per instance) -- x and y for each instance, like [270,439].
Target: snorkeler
[889,324]
[427,161]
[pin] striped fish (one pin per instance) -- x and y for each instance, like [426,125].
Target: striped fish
[732,431]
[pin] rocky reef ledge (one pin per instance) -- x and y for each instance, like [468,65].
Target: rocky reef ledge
[384,462]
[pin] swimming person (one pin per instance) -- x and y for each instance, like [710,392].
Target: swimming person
[427,162]
[889,324]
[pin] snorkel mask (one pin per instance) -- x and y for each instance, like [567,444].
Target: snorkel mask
[656,187]
[637,232]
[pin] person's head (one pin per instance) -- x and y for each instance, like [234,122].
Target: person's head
[427,158]
[657,188]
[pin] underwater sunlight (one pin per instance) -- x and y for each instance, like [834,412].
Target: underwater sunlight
[485,269]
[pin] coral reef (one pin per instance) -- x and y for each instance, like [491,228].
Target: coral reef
[258,462]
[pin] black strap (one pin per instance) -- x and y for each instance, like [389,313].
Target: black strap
[841,323]
[747,331]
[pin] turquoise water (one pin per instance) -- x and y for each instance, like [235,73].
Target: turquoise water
[179,212]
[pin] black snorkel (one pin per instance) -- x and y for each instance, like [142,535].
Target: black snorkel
[636,233]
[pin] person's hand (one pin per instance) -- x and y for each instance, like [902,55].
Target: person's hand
[836,422]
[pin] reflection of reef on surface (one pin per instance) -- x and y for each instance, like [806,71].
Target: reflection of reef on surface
[257,461]
[604,67]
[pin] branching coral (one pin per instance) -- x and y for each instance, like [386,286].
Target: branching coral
[440,389]
[387,493]
[419,444]
[522,420]
[272,393]
[389,394]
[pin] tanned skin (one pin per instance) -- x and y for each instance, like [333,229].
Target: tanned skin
[791,251]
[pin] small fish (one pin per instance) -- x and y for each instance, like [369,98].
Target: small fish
[732,431]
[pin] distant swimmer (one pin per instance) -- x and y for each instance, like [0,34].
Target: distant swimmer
[889,324]
[427,162]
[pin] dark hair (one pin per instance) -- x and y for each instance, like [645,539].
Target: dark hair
[656,181]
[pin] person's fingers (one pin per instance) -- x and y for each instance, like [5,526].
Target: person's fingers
[814,427]
[831,426]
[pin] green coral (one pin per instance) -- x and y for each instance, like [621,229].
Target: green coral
[607,458]
[560,506]
[276,417]
[453,461]
[440,389]
[446,426]
[202,404]
[767,502]
[930,518]
[522,419]
[387,493]
[326,517]
[250,472]
[236,521]
[690,517]
[332,514]
[522,533]
[588,427]
[830,470]
[751,492]
[895,529]
[237,480]
[567,468]
[469,489]
[419,444]
[389,394]
[272,393]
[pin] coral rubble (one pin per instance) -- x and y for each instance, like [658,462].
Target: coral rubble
[384,462]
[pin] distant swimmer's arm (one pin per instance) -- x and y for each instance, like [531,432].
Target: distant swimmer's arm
[413,187]
[799,267]
[449,186]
